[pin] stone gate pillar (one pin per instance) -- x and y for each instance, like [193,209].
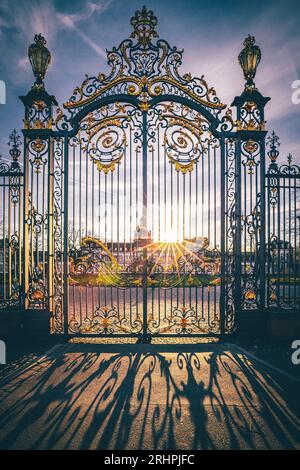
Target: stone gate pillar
[38,176]
[250,187]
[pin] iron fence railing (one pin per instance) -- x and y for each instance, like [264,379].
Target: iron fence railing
[11,226]
[283,233]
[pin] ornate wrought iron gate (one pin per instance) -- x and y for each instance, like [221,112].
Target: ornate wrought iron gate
[145,240]
[144,203]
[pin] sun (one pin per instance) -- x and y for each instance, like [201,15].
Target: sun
[170,236]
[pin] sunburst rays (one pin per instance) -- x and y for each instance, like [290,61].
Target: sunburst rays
[165,263]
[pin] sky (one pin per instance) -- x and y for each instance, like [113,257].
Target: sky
[78,32]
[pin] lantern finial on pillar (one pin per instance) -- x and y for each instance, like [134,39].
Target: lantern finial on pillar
[40,58]
[249,59]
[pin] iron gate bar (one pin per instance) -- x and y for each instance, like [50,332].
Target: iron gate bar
[145,218]
[223,237]
[262,260]
[65,236]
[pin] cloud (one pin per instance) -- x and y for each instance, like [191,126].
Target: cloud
[98,6]
[101,52]
[278,69]
[3,25]
[71,21]
[74,25]
[23,63]
[29,18]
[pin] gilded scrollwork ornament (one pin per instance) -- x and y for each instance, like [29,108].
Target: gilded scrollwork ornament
[103,135]
[145,69]
[38,153]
